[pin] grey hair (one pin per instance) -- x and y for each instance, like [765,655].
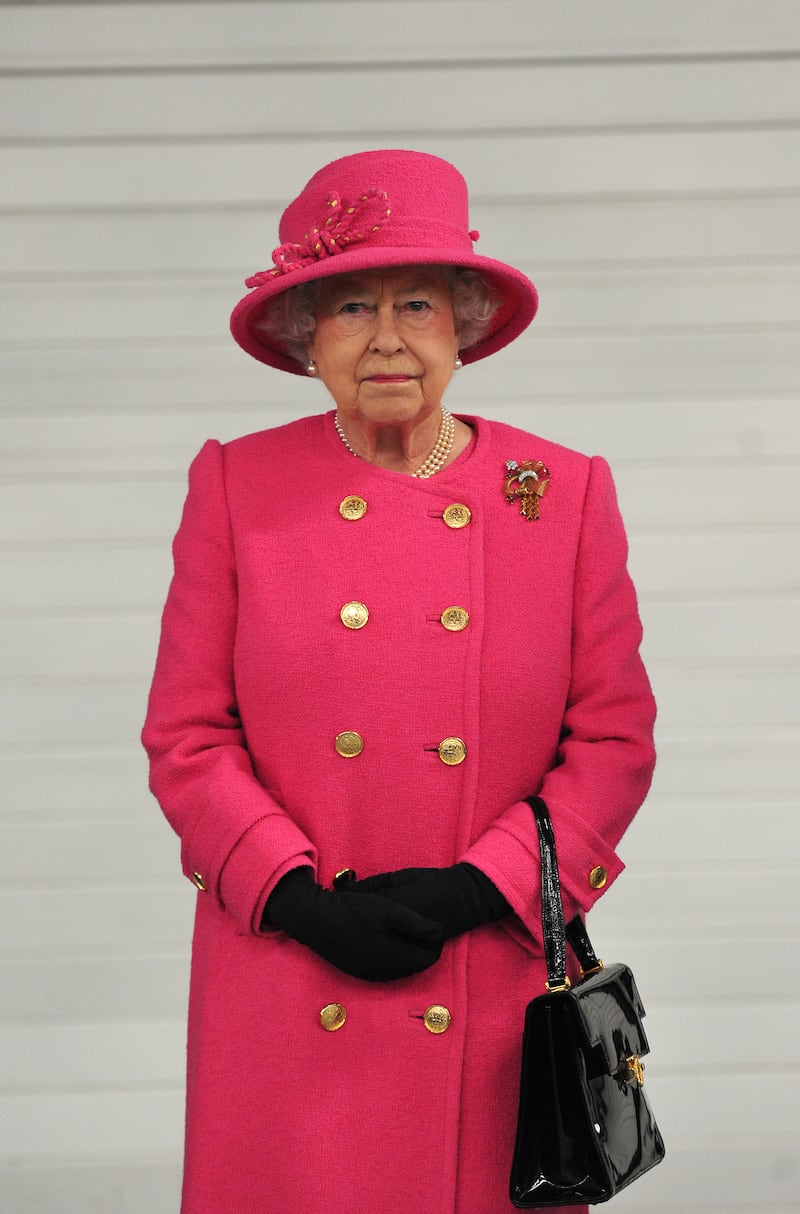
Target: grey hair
[291,317]
[475,302]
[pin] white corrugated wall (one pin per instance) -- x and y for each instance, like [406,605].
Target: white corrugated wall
[641,161]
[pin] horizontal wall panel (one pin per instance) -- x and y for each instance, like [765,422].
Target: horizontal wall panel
[98,782]
[623,300]
[724,698]
[34,845]
[699,363]
[131,912]
[697,564]
[72,1125]
[83,1188]
[657,1199]
[106,577]
[671,833]
[269,102]
[81,716]
[212,375]
[722,629]
[89,647]
[80,983]
[149,174]
[699,780]
[736,1176]
[714,1108]
[35,850]
[107,1053]
[125,912]
[41,445]
[284,31]
[697,1039]
[685,566]
[101,1054]
[697,767]
[679,496]
[103,647]
[691,970]
[756,760]
[719,698]
[142,508]
[598,231]
[762,1180]
[91,984]
[731,899]
[129,1122]
[725,770]
[36,853]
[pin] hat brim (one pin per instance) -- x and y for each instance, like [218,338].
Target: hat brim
[518,295]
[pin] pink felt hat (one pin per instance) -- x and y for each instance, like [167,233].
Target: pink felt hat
[371,211]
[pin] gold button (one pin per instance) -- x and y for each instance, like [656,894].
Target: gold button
[352,507]
[354,615]
[598,877]
[332,1017]
[454,619]
[457,515]
[437,1019]
[349,744]
[452,751]
[199,882]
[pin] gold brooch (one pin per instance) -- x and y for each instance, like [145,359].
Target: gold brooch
[526,483]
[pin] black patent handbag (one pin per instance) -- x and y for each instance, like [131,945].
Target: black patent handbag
[585,1128]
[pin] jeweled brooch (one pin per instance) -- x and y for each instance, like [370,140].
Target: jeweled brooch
[526,483]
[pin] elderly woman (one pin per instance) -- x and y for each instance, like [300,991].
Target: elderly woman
[388,626]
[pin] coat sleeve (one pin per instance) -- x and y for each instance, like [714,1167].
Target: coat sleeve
[605,758]
[236,841]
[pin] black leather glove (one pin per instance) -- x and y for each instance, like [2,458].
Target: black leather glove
[367,936]
[460,897]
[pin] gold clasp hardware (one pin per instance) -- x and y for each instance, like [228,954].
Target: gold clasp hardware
[635,1070]
[554,987]
[595,969]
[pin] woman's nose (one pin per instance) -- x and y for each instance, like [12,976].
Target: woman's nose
[386,338]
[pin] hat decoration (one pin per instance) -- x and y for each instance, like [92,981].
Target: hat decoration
[332,236]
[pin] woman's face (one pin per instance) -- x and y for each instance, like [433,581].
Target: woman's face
[385,343]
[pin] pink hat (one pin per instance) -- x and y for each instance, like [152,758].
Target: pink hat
[370,211]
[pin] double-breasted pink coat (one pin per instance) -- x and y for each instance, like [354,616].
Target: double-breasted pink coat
[365,1110]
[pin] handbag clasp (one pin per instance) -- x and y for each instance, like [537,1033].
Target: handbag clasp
[634,1070]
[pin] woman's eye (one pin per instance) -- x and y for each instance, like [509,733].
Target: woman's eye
[417,305]
[353,309]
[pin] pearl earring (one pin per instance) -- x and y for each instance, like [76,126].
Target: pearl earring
[311,367]
[458,364]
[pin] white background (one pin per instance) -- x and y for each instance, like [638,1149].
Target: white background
[641,161]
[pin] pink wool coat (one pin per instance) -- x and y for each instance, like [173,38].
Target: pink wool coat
[256,677]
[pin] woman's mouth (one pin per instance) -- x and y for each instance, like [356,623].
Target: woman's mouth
[389,379]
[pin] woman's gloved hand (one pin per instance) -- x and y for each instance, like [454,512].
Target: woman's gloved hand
[367,936]
[460,897]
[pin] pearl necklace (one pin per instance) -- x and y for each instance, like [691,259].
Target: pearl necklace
[437,457]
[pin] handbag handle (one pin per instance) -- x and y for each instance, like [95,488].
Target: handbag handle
[554,933]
